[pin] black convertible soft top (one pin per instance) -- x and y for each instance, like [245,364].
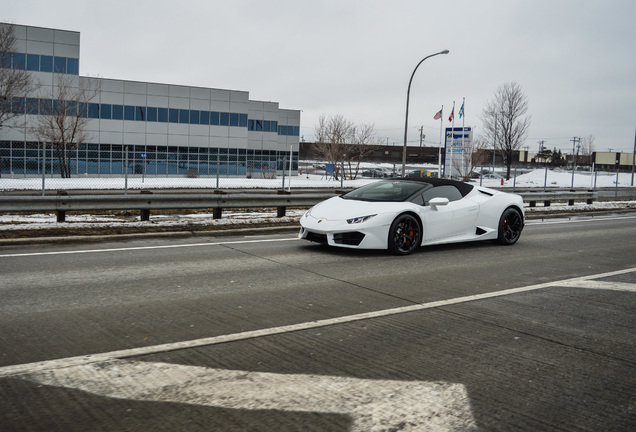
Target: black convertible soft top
[464,188]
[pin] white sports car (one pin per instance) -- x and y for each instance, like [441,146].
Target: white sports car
[402,214]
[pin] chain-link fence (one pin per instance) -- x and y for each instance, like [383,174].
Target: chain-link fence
[32,166]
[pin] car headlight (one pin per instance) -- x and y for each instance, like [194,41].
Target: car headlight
[360,219]
[308,212]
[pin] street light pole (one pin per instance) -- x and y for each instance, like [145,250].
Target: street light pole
[406,121]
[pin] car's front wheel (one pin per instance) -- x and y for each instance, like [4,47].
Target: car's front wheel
[510,226]
[405,235]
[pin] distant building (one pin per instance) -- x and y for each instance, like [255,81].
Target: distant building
[167,129]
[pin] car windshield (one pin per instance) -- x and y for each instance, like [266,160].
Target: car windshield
[389,190]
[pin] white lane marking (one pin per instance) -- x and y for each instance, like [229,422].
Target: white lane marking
[567,221]
[176,246]
[213,340]
[373,405]
[600,285]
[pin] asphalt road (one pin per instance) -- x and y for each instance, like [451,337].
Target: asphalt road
[274,334]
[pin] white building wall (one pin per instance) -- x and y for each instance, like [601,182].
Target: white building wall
[61,43]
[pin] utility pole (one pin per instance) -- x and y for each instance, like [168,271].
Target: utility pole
[421,136]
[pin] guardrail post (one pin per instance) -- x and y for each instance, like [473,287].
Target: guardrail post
[217,212]
[145,213]
[281,212]
[61,214]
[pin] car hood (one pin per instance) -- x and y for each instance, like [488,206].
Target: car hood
[337,208]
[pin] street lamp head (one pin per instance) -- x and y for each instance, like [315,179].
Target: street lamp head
[444,52]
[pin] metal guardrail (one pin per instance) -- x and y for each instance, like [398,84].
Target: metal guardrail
[146,201]
[548,197]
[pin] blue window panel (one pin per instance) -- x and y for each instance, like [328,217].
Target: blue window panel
[129,112]
[32,106]
[71,108]
[140,113]
[234,119]
[296,131]
[250,125]
[243,120]
[162,115]
[33,62]
[173,115]
[152,114]
[46,63]
[19,61]
[194,117]
[214,118]
[184,116]
[274,127]
[72,66]
[267,126]
[82,109]
[118,112]
[59,64]
[204,118]
[105,111]
[224,119]
[18,105]
[93,110]
[46,106]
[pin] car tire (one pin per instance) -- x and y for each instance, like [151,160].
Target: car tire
[510,226]
[405,235]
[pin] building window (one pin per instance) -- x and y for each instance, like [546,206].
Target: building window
[33,62]
[105,112]
[59,64]
[162,115]
[129,112]
[152,114]
[93,110]
[224,119]
[184,116]
[214,118]
[140,113]
[173,115]
[46,63]
[118,112]
[194,117]
[204,118]
[19,61]
[72,66]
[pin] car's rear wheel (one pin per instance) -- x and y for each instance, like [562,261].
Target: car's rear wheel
[510,226]
[405,235]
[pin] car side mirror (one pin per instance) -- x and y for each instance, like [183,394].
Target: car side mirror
[436,202]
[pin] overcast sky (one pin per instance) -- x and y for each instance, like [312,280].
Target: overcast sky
[575,59]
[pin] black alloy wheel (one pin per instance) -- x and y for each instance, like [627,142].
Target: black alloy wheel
[510,226]
[405,235]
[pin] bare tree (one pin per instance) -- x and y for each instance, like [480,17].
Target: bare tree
[587,148]
[506,122]
[16,82]
[340,140]
[62,121]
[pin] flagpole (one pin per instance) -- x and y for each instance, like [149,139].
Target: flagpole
[450,165]
[463,116]
[439,153]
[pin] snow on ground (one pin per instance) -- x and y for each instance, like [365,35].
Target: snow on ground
[536,178]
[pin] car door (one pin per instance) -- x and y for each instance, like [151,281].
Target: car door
[457,218]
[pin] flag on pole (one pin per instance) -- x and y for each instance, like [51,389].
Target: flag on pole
[461,111]
[452,116]
[438,115]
